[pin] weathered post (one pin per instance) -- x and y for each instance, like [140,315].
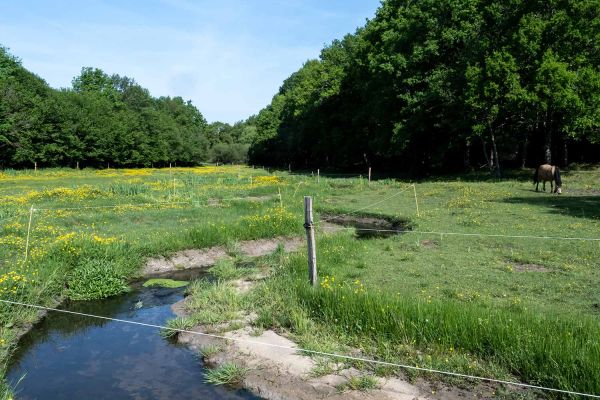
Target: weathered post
[77,165]
[310,238]
[290,167]
[318,175]
[35,166]
[31,210]
[369,175]
[280,198]
[416,202]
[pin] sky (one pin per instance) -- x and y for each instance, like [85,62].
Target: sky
[229,57]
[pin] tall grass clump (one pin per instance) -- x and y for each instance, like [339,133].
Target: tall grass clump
[227,374]
[560,352]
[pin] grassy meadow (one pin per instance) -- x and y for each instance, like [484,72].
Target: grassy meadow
[514,308]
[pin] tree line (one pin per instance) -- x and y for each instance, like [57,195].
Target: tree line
[445,85]
[105,120]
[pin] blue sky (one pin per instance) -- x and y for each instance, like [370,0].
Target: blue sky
[229,57]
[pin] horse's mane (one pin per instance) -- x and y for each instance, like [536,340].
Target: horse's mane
[557,177]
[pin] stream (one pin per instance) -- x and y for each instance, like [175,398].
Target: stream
[72,357]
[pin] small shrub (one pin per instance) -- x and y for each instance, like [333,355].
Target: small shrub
[95,279]
[227,374]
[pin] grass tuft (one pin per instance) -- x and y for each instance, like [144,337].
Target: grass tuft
[227,374]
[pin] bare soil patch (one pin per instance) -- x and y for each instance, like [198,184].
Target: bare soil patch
[429,244]
[197,258]
[282,373]
[530,268]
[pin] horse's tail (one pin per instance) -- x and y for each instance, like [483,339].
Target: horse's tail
[535,175]
[557,179]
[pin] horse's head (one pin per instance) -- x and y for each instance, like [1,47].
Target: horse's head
[558,190]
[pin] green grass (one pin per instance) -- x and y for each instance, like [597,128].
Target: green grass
[210,350]
[226,374]
[477,294]
[175,325]
[363,383]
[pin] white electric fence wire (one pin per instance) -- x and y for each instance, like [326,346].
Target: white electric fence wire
[588,239]
[320,353]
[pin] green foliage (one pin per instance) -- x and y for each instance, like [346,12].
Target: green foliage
[95,279]
[227,374]
[443,84]
[105,119]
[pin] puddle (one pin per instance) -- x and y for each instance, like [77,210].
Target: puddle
[366,227]
[67,356]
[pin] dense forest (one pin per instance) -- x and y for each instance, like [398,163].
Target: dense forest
[425,86]
[105,120]
[445,85]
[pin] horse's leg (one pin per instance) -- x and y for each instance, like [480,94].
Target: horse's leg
[537,186]
[551,186]
[544,186]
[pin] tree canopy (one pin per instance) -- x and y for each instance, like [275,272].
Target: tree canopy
[444,84]
[104,119]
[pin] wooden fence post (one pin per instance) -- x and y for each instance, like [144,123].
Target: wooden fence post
[369,175]
[318,175]
[35,166]
[28,232]
[416,202]
[310,238]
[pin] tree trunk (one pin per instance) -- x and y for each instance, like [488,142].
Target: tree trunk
[496,160]
[548,148]
[547,143]
[565,153]
[524,151]
[467,156]
[485,154]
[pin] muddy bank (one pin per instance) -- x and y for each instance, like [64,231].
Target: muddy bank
[280,373]
[197,258]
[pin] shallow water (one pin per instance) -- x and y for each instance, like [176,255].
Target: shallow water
[365,227]
[74,357]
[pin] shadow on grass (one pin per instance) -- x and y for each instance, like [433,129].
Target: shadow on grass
[576,206]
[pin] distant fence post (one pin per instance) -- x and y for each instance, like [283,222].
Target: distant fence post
[77,164]
[28,232]
[310,238]
[280,198]
[35,166]
[416,202]
[318,175]
[289,167]
[369,175]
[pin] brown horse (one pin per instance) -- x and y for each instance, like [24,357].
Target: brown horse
[547,172]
